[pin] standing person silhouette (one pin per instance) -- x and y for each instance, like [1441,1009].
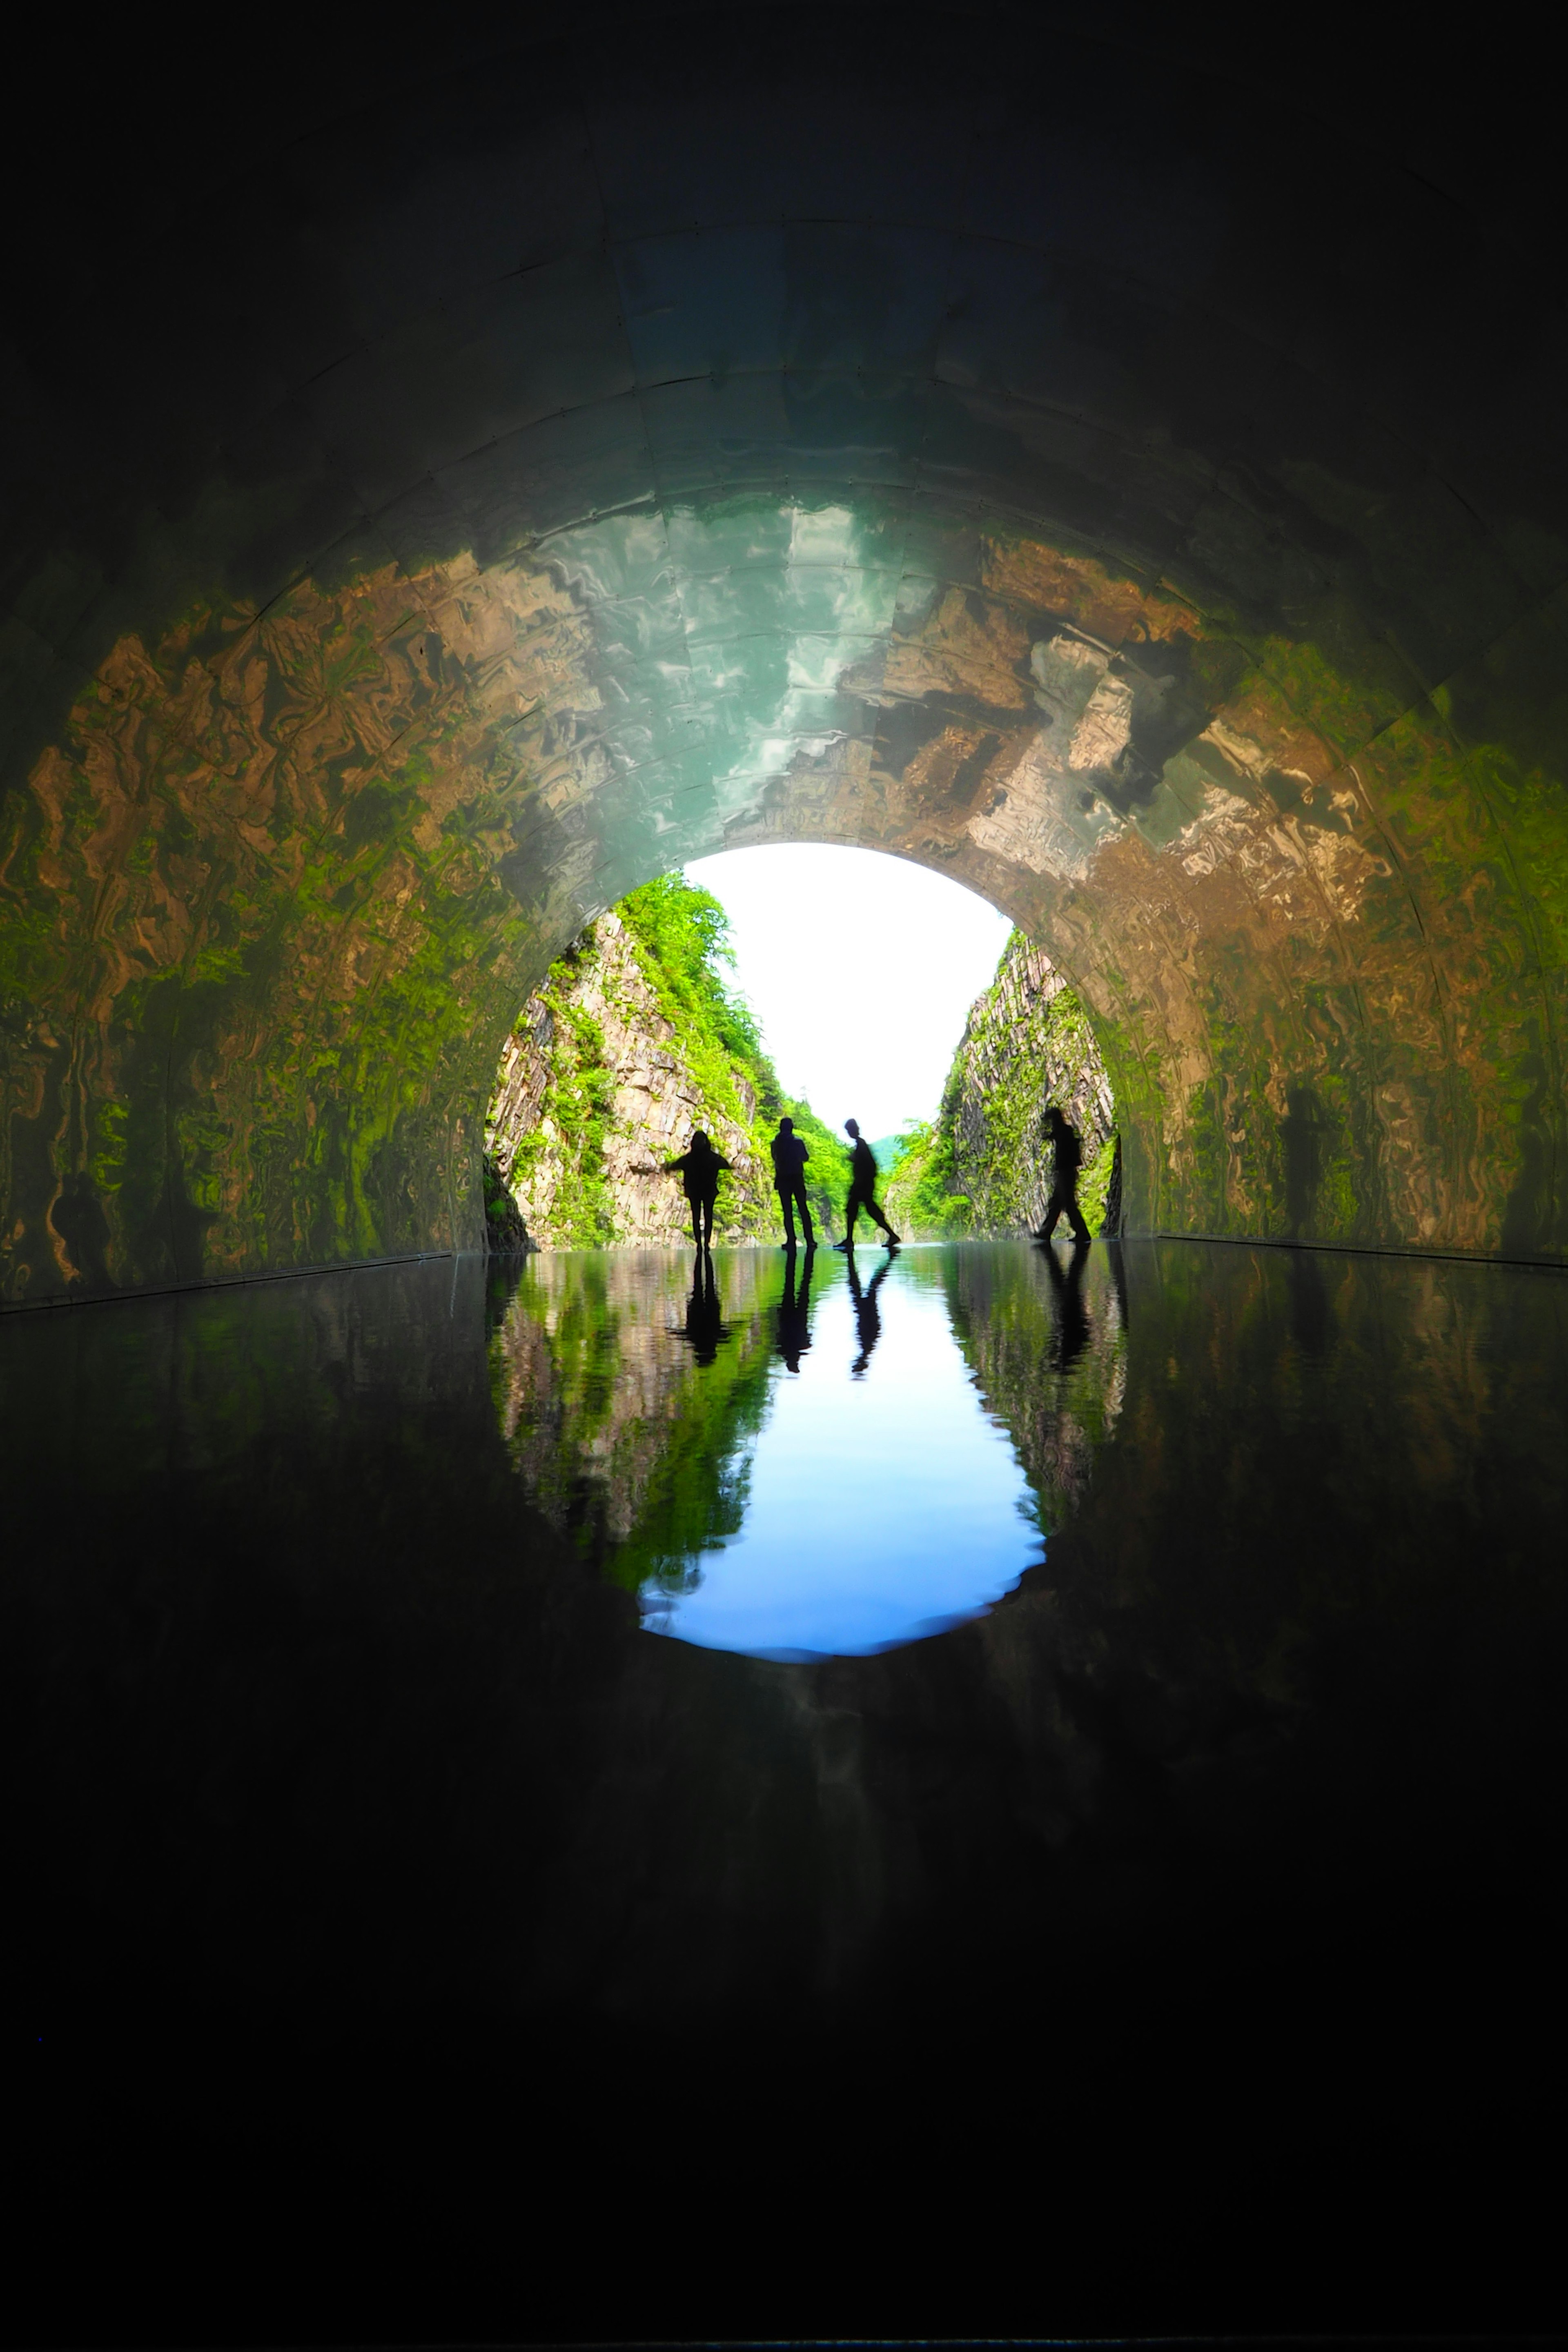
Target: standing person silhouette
[706,1330]
[700,1167]
[1064,1187]
[862,1188]
[794,1310]
[790,1156]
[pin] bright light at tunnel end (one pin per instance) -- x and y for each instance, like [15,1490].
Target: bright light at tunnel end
[861,968]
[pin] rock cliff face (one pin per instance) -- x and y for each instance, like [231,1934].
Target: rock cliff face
[985,1165]
[594,1095]
[634,1041]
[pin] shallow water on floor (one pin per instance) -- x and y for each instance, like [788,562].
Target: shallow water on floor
[338,1706]
[783,1457]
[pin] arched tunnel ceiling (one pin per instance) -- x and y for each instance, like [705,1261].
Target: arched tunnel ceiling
[593,455]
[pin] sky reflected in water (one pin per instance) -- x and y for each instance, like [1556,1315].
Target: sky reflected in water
[775,1468]
[880,1505]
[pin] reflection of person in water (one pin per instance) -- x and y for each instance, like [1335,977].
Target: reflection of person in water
[706,1330]
[867,1318]
[794,1310]
[1063,1202]
[862,1188]
[700,1167]
[1071,1335]
[790,1156]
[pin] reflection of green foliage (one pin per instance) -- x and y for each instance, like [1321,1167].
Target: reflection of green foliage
[626,1440]
[697,1493]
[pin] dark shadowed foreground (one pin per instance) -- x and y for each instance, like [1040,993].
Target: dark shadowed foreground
[413,1944]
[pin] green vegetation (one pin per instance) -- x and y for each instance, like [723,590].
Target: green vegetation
[679,942]
[645,1473]
[982,1164]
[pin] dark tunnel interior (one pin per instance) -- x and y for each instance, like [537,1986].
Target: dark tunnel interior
[453,474]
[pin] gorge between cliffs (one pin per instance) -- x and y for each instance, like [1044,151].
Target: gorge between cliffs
[638,1036]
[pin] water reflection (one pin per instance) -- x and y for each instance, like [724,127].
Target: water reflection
[868,1321]
[795,1500]
[325,1628]
[795,1308]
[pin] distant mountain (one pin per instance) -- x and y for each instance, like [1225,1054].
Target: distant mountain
[885,1151]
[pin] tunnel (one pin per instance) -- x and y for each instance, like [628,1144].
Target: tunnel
[576,463]
[459,468]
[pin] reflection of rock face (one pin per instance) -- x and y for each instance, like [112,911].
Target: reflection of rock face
[271,900]
[1009,1317]
[604,1405]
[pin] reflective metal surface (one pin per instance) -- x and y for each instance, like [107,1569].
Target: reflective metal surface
[588,471]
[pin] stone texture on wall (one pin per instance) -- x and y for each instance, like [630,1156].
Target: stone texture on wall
[651,1102]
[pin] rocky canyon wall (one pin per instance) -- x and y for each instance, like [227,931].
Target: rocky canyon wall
[983,1165]
[631,1044]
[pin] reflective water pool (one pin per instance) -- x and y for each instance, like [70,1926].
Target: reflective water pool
[831,1478]
[392,1689]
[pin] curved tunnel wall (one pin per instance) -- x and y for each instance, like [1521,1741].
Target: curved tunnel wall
[584,465]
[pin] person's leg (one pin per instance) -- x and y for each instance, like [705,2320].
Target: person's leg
[707,1223]
[1081,1231]
[696,1208]
[873,1210]
[1053,1211]
[805,1212]
[786,1211]
[851,1210]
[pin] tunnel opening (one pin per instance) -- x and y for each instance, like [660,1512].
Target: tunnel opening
[281,884]
[888,992]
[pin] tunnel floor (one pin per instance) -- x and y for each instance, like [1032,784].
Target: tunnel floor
[455,1819]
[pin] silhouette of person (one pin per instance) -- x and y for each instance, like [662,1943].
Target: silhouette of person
[1311,1314]
[1301,1132]
[1064,1184]
[700,1167]
[862,1188]
[867,1317]
[794,1310]
[78,1217]
[1072,1324]
[705,1326]
[790,1156]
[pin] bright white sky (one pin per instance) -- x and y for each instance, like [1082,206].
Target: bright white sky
[860,967]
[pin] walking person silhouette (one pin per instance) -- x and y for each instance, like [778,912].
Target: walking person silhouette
[700,1167]
[862,1189]
[1071,1334]
[867,1315]
[790,1156]
[1063,1202]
